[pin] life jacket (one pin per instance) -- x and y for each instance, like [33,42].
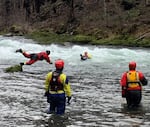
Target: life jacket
[133,79]
[55,83]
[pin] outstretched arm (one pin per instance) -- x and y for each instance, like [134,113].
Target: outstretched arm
[47,58]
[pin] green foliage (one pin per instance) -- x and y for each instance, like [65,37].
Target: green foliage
[144,43]
[82,39]
[121,40]
[46,37]
[15,68]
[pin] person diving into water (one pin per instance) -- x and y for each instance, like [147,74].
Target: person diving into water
[34,57]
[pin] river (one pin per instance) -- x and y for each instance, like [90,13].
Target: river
[96,100]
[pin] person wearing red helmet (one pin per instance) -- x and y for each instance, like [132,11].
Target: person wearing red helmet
[131,83]
[57,89]
[35,57]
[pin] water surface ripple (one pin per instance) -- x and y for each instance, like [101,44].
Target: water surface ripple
[96,100]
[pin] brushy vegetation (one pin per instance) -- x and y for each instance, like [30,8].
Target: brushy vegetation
[48,37]
[43,37]
[119,23]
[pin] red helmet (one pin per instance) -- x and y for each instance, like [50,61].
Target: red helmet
[59,64]
[132,65]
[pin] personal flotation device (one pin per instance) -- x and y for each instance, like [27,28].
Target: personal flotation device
[89,56]
[55,83]
[133,80]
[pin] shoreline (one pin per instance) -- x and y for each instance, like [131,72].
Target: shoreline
[118,40]
[47,38]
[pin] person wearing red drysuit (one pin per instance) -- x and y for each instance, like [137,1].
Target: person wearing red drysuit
[35,56]
[131,83]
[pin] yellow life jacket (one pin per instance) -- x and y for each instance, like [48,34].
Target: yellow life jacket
[133,79]
[89,56]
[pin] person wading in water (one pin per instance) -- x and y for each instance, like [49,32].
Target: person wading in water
[131,83]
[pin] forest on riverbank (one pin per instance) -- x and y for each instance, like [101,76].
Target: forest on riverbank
[97,22]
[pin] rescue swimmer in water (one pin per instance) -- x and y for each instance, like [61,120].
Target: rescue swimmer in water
[35,57]
[85,56]
[131,84]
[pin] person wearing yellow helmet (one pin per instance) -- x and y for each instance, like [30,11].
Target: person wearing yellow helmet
[57,89]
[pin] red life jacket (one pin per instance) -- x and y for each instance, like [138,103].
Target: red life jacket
[55,83]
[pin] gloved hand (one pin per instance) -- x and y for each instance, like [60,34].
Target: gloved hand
[46,94]
[48,97]
[68,100]
[21,64]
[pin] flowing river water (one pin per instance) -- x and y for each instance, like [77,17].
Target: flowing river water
[96,100]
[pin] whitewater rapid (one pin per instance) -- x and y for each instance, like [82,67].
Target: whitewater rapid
[96,100]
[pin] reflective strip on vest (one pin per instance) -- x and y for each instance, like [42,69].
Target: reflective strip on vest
[56,92]
[133,79]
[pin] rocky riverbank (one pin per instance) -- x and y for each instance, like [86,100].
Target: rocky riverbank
[119,22]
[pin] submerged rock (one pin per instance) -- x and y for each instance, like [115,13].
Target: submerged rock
[15,68]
